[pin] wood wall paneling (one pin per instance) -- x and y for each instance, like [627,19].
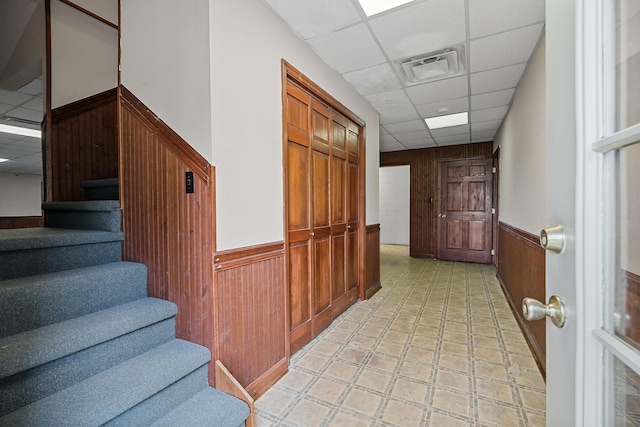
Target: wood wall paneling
[521,270]
[9,222]
[250,312]
[168,230]
[83,145]
[424,184]
[373,260]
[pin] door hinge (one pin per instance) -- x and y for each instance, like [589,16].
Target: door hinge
[493,252]
[493,211]
[494,170]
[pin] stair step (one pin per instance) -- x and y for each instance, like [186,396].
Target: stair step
[103,215]
[31,251]
[210,407]
[105,396]
[39,346]
[101,189]
[33,302]
[36,383]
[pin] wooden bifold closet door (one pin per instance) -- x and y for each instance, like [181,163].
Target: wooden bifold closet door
[322,213]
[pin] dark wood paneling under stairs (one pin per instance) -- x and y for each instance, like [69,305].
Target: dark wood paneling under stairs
[82,145]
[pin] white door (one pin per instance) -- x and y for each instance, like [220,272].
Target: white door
[593,187]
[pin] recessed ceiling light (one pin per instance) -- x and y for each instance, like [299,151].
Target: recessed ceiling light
[447,121]
[372,7]
[20,131]
[3,160]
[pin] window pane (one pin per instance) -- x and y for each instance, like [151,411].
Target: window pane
[627,63]
[627,310]
[626,391]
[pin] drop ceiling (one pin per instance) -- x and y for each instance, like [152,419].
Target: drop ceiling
[497,37]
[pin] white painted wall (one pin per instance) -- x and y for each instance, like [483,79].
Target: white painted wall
[84,55]
[107,9]
[523,151]
[211,69]
[394,205]
[247,44]
[20,195]
[165,63]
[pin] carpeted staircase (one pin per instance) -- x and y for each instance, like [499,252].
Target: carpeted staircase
[81,343]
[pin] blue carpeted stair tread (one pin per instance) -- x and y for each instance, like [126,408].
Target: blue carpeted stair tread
[108,394]
[210,407]
[48,237]
[39,346]
[104,182]
[36,301]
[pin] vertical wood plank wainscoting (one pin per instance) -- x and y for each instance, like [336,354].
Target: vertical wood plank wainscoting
[423,216]
[521,271]
[170,231]
[251,332]
[83,145]
[9,222]
[373,284]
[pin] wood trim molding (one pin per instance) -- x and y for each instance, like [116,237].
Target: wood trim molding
[84,105]
[373,283]
[173,141]
[527,238]
[89,13]
[251,323]
[521,272]
[293,74]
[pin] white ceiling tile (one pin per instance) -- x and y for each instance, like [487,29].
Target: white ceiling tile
[398,115]
[420,144]
[36,104]
[484,126]
[493,80]
[450,131]
[411,126]
[312,18]
[499,50]
[422,28]
[412,136]
[491,99]
[5,107]
[382,131]
[33,88]
[26,114]
[488,135]
[453,140]
[452,106]
[495,113]
[494,16]
[389,101]
[379,78]
[395,146]
[348,50]
[13,98]
[386,139]
[429,93]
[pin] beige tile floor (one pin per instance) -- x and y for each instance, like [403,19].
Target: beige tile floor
[436,346]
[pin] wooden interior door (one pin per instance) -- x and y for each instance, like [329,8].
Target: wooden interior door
[353,217]
[465,225]
[321,228]
[298,214]
[339,213]
[323,212]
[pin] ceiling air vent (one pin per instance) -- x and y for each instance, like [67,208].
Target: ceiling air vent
[434,66]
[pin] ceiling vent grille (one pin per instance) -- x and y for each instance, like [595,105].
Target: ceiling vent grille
[434,66]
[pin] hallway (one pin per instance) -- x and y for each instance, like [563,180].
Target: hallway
[437,345]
